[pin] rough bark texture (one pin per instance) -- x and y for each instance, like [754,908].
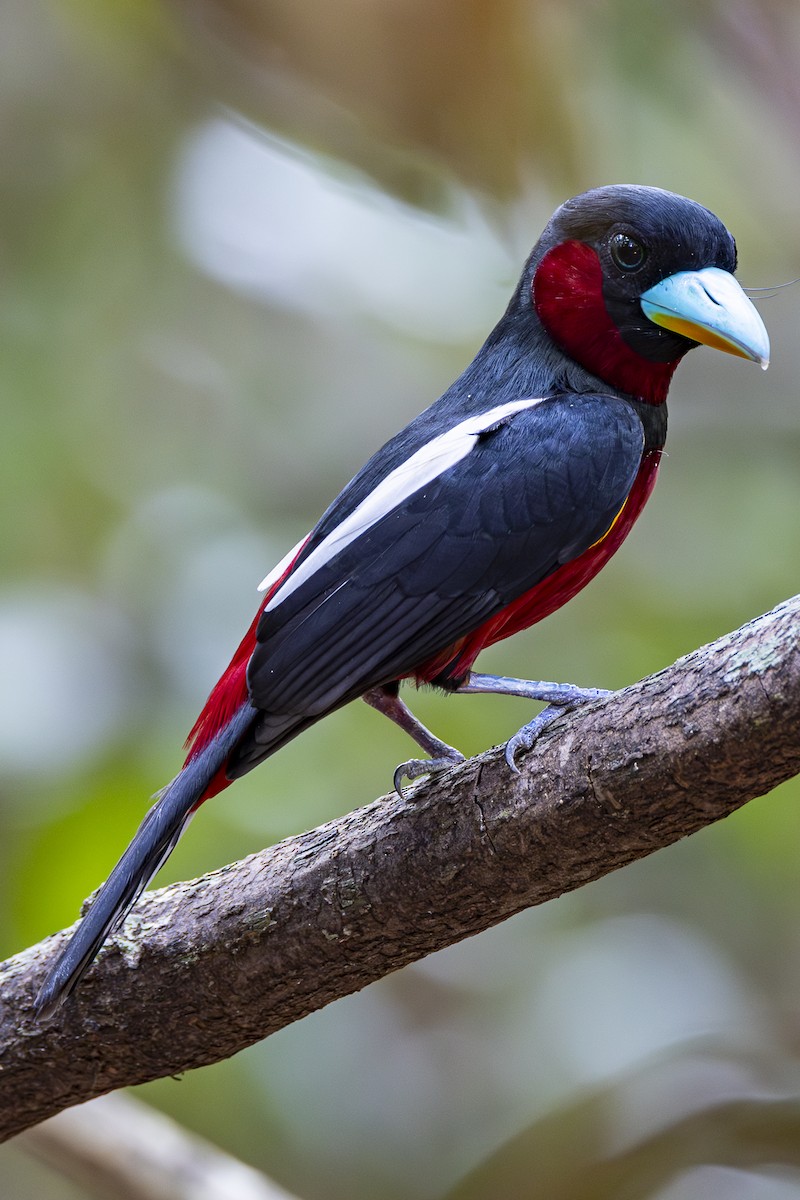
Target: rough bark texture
[205,968]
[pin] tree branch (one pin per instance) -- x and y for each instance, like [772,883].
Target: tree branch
[117,1147]
[205,968]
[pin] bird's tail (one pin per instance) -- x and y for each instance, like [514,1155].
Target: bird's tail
[154,841]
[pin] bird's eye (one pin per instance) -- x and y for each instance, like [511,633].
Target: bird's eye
[627,253]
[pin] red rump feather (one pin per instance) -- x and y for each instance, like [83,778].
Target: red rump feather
[227,696]
[230,692]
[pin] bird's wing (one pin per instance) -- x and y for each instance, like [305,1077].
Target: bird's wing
[465,526]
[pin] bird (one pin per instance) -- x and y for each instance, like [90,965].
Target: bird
[486,513]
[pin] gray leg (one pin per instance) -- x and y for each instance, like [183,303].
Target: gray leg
[389,703]
[559,698]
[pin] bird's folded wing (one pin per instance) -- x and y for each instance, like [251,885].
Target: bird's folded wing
[534,490]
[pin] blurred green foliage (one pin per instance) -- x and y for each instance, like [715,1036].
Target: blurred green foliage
[240,244]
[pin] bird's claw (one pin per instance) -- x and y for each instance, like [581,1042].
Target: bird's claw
[415,768]
[525,738]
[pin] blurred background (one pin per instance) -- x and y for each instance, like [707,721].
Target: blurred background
[241,243]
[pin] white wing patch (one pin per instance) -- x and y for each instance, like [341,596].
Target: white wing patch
[270,580]
[430,461]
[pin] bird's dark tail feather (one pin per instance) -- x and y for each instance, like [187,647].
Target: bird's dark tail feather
[154,841]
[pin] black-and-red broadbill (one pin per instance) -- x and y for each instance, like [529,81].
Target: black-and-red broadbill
[489,511]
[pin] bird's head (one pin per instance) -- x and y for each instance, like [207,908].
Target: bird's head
[626,279]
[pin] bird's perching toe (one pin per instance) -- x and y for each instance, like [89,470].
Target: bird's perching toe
[415,768]
[525,738]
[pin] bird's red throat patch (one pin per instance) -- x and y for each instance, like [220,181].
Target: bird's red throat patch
[567,294]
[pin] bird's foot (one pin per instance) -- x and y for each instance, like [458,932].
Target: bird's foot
[525,738]
[417,767]
[442,756]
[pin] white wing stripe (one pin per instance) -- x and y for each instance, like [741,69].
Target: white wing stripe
[270,580]
[430,461]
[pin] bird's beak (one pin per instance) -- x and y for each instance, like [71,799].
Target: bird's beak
[710,307]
